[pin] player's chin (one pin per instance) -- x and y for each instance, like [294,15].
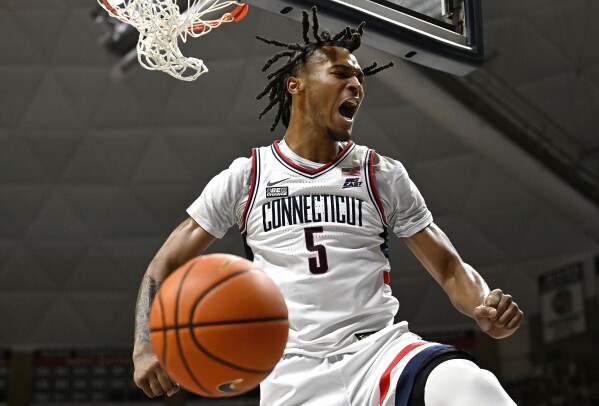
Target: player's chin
[341,136]
[341,130]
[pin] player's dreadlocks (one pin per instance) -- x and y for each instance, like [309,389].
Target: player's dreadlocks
[297,54]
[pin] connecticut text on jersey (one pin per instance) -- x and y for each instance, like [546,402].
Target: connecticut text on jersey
[311,209]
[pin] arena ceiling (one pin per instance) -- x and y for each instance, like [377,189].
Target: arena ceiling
[95,173]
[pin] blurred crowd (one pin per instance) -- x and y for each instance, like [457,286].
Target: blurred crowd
[558,383]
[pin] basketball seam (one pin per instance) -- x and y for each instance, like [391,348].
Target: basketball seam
[204,350]
[189,371]
[219,323]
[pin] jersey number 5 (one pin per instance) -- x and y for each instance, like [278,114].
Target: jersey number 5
[320,265]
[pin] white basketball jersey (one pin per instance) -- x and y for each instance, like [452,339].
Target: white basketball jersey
[321,236]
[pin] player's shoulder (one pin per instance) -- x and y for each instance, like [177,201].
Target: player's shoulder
[241,163]
[239,170]
[246,161]
[358,149]
[380,161]
[242,166]
[388,163]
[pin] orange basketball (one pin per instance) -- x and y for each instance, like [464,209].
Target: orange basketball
[218,325]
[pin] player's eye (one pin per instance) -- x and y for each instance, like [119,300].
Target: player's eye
[347,74]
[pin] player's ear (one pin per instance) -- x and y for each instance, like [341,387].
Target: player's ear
[294,85]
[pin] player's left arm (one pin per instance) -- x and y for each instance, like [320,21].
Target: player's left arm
[494,311]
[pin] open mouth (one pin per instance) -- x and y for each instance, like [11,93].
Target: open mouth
[349,108]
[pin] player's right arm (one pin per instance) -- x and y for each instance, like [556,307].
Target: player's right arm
[217,209]
[187,241]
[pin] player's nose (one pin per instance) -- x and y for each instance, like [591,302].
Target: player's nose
[355,87]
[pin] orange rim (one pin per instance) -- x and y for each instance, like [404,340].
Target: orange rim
[237,15]
[240,12]
[109,7]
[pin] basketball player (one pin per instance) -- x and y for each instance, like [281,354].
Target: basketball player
[314,211]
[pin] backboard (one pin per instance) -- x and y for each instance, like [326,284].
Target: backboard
[442,34]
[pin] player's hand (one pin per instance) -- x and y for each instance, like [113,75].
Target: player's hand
[149,376]
[498,316]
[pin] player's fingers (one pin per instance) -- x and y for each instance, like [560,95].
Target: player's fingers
[155,386]
[484,312]
[164,380]
[507,315]
[483,315]
[493,298]
[175,389]
[151,387]
[515,321]
[503,306]
[144,385]
[485,324]
[167,383]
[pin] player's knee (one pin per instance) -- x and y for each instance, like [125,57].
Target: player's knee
[473,376]
[462,383]
[484,381]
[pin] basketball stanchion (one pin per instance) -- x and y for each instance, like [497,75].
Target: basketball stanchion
[161,24]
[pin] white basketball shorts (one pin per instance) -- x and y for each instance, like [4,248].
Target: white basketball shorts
[376,371]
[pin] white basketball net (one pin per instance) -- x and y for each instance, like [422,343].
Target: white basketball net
[160,24]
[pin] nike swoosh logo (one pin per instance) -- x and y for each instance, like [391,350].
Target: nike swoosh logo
[277,182]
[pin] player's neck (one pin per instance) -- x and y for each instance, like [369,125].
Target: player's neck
[310,144]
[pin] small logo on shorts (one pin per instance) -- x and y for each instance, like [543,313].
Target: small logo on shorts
[280,191]
[352,182]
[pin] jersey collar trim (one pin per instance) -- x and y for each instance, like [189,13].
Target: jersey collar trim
[311,173]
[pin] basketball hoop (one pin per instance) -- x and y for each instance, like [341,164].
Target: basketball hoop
[161,23]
